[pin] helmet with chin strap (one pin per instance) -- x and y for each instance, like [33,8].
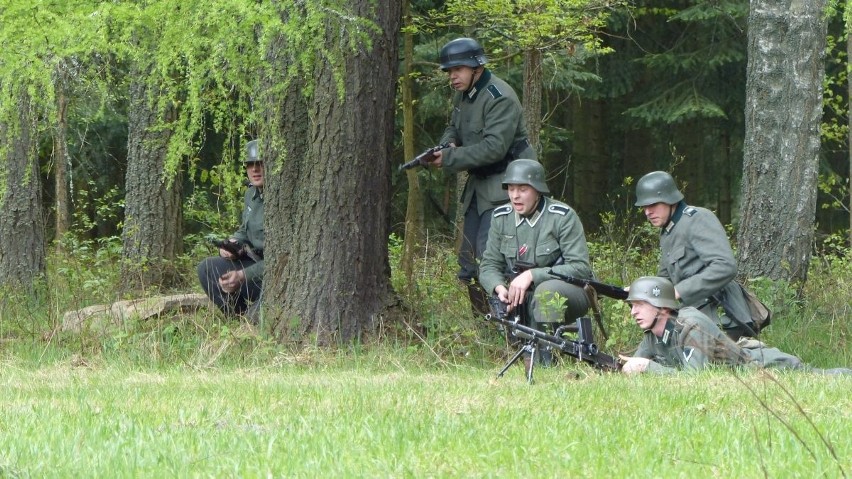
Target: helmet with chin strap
[655,290]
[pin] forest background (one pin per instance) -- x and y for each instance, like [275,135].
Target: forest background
[122,129]
[123,125]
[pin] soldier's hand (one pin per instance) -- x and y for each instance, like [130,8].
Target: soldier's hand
[518,288]
[437,159]
[227,254]
[232,280]
[634,365]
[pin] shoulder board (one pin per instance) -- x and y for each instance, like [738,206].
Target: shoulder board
[689,211]
[502,211]
[495,92]
[559,209]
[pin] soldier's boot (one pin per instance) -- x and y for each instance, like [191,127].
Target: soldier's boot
[478,299]
[735,332]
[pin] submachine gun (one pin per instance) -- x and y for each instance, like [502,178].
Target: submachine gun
[423,158]
[583,348]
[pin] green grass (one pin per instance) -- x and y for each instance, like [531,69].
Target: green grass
[367,417]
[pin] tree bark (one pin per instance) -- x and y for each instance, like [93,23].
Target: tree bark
[22,247]
[786,48]
[414,213]
[327,202]
[153,217]
[532,96]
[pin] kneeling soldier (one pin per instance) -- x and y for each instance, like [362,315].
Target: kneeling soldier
[528,237]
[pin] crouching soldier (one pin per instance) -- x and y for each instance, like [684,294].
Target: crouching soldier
[528,237]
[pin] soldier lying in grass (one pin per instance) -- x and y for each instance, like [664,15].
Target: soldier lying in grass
[685,338]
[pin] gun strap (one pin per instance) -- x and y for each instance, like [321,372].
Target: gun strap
[596,308]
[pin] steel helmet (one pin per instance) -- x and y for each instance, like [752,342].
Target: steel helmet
[655,290]
[252,155]
[526,172]
[462,51]
[657,187]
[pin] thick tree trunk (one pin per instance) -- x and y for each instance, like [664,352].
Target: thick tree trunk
[328,200]
[22,247]
[786,44]
[153,218]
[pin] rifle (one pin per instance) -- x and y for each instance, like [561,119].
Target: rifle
[423,158]
[609,290]
[583,349]
[232,247]
[237,249]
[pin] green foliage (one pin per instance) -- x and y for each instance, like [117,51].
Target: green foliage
[692,71]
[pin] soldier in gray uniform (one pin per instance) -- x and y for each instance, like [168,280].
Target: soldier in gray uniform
[233,281]
[683,338]
[530,236]
[485,133]
[694,253]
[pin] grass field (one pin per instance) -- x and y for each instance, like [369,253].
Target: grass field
[382,416]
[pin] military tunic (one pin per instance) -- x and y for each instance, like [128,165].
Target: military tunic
[696,256]
[487,120]
[486,123]
[551,238]
[251,231]
[692,342]
[210,269]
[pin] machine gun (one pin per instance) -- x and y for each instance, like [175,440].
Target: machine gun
[423,158]
[237,249]
[583,348]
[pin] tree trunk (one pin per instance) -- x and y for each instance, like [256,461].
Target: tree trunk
[327,202]
[786,47]
[153,218]
[532,96]
[61,159]
[22,248]
[849,110]
[591,164]
[414,214]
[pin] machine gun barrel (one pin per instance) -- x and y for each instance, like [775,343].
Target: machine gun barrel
[604,289]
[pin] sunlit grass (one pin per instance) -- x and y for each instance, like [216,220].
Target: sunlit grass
[382,421]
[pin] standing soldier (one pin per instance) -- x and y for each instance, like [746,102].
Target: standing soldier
[234,279]
[530,236]
[485,133]
[694,253]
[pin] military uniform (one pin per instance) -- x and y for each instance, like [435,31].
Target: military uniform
[251,234]
[551,238]
[692,341]
[488,130]
[696,256]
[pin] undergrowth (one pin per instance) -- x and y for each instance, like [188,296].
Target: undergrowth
[437,326]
